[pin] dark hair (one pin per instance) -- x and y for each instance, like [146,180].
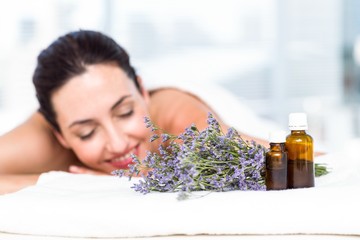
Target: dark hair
[67,57]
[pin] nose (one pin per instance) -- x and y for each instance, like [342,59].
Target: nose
[117,140]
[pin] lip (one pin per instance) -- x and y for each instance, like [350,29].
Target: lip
[124,163]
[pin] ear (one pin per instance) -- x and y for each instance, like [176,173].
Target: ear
[143,91]
[61,139]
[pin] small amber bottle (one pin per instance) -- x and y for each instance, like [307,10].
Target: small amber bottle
[299,146]
[276,162]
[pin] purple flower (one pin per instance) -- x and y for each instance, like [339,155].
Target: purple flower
[141,187]
[149,124]
[154,137]
[165,137]
[201,160]
[118,172]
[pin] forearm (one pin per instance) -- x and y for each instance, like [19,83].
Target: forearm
[13,182]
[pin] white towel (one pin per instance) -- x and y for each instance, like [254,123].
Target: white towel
[64,204]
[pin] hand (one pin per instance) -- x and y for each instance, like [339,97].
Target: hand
[84,170]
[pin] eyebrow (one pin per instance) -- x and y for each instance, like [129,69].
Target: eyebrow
[84,121]
[120,101]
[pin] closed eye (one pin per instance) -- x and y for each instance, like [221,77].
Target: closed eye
[127,114]
[87,136]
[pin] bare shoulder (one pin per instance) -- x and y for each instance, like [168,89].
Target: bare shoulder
[174,109]
[170,97]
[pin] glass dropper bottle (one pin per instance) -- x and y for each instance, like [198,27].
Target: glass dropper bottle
[299,146]
[276,162]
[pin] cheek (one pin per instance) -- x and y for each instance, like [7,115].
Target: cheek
[136,133]
[136,126]
[89,152]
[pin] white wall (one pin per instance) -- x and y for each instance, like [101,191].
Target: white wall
[276,56]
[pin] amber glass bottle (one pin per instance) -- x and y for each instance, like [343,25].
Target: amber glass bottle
[299,147]
[276,162]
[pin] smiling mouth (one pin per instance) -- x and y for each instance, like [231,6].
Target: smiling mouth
[123,162]
[122,158]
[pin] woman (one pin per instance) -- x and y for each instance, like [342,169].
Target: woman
[92,108]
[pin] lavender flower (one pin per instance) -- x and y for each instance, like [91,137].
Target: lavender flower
[200,160]
[149,124]
[154,137]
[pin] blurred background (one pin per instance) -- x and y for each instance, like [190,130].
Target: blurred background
[276,56]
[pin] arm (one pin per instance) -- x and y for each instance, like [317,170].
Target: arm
[29,150]
[13,182]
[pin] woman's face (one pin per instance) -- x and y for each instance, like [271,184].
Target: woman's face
[101,117]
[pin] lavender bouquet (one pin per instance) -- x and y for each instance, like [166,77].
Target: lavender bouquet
[208,160]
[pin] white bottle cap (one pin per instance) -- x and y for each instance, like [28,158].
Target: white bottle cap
[277,136]
[298,121]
